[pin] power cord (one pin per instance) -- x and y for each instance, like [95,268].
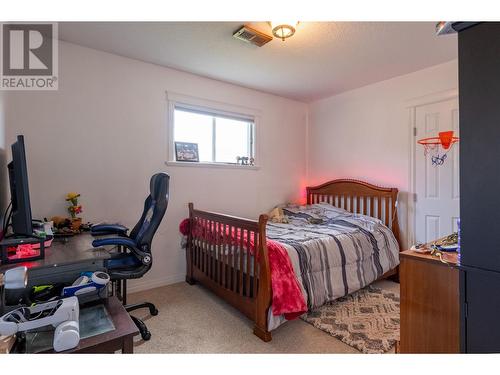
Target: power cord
[7,218]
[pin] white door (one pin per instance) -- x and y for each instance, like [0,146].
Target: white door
[437,187]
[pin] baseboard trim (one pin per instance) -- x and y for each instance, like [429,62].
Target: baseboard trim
[145,284]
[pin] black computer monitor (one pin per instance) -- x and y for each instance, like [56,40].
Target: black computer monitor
[19,190]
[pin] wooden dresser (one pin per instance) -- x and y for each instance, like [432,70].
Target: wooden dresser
[430,310]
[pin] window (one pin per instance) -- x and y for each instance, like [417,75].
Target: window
[222,138]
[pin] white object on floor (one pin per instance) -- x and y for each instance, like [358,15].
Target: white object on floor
[62,314]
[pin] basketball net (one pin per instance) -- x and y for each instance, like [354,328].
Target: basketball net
[437,158]
[438,147]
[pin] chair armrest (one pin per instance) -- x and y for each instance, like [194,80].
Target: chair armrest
[144,257]
[104,229]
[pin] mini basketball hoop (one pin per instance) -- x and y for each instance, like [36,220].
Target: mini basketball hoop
[444,141]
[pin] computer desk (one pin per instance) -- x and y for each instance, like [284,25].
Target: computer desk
[64,260]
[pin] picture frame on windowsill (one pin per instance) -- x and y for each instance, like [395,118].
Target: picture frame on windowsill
[186,152]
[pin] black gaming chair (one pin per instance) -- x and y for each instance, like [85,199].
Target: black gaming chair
[136,259]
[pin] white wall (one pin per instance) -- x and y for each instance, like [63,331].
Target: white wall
[364,133]
[103,134]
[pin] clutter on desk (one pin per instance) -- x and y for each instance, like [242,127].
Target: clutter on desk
[64,227]
[43,229]
[447,244]
[89,286]
[44,293]
[88,282]
[69,226]
[438,247]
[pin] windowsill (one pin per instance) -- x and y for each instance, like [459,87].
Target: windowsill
[211,165]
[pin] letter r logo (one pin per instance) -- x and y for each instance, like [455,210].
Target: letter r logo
[27,49]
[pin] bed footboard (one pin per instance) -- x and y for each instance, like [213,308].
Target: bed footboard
[229,256]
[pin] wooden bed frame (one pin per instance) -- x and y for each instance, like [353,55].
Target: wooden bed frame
[222,267]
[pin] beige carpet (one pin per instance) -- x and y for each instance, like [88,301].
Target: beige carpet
[193,320]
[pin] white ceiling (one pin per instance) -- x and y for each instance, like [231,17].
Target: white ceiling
[321,59]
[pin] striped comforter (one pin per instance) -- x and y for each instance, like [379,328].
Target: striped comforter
[333,252]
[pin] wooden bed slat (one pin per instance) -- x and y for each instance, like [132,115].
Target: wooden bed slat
[210,256]
[224,256]
[241,252]
[232,251]
[255,270]
[207,250]
[206,244]
[247,284]
[202,248]
[386,222]
[219,255]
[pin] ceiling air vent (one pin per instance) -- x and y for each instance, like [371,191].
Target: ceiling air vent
[249,35]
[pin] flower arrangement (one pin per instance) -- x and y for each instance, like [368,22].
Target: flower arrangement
[75,208]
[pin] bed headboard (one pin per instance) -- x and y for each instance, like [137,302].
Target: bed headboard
[359,197]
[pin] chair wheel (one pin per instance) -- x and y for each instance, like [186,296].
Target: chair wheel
[146,335]
[153,312]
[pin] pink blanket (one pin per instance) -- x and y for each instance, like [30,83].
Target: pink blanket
[287,298]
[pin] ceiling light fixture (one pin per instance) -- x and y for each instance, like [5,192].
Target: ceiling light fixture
[283,30]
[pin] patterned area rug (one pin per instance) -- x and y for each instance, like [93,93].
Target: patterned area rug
[367,320]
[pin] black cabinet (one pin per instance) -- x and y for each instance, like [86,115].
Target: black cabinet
[479,80]
[479,87]
[481,292]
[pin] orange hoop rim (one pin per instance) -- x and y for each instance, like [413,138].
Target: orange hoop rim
[436,141]
[444,137]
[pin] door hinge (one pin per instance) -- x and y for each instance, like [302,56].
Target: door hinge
[466,310]
[415,197]
[414,131]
